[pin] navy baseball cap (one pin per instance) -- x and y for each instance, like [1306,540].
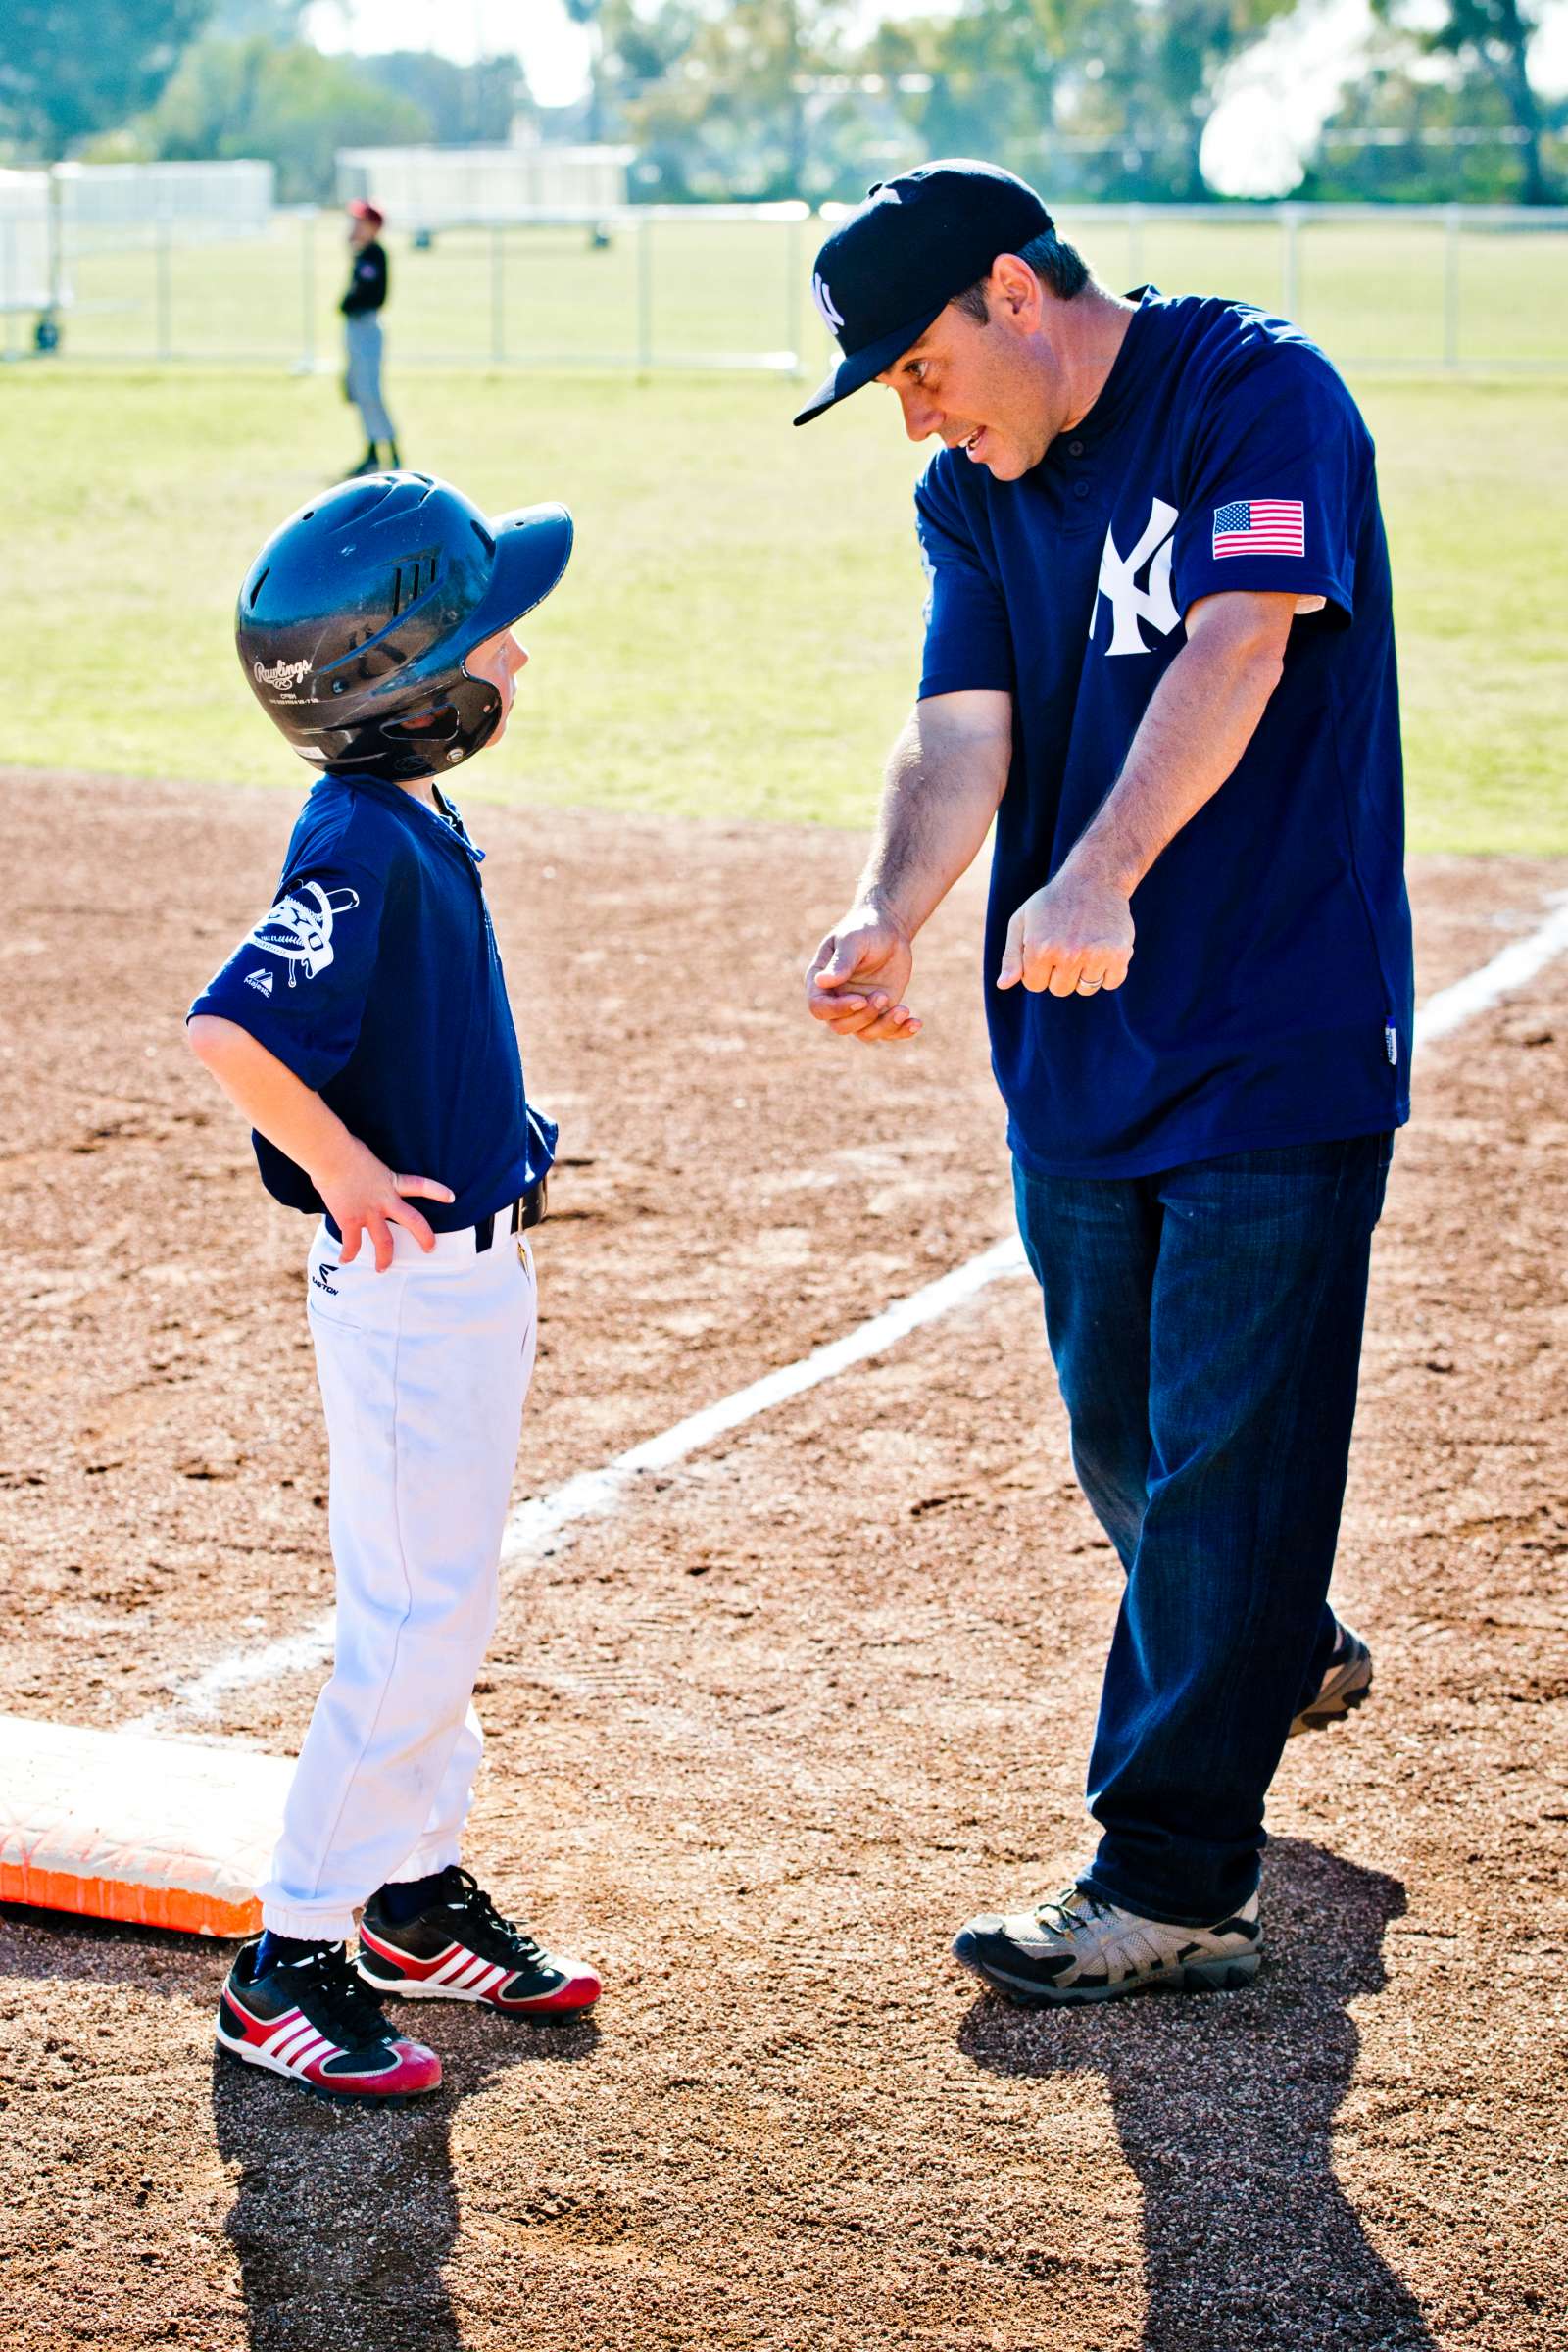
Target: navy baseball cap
[893,267]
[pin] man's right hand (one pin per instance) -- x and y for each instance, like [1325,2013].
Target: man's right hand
[365,1197]
[855,981]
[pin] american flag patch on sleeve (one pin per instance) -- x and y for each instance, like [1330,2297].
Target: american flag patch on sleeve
[1260,526]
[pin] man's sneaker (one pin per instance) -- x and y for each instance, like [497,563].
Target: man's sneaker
[1077,1948]
[459,1949]
[1346,1682]
[313,2019]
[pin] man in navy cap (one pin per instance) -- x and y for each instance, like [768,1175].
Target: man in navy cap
[1160,654]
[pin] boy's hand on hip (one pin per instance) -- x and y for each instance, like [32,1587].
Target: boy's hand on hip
[365,1197]
[1074,937]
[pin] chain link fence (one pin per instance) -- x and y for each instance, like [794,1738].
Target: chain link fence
[649,286]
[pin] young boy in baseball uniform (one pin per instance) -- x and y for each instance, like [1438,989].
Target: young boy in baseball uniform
[363,1028]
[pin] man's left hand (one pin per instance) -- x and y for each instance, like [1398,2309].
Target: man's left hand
[1074,937]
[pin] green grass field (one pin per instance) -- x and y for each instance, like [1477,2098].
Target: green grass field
[739,631]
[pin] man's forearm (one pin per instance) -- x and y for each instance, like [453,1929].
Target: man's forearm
[1199,720]
[943,783]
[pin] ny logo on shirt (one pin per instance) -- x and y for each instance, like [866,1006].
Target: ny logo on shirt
[1118,580]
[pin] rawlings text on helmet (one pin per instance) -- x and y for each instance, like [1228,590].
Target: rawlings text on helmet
[283,675]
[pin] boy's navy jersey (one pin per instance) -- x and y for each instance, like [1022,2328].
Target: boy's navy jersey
[375,979]
[1269,999]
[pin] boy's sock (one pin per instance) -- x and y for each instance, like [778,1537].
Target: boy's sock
[392,457]
[402,1899]
[274,1949]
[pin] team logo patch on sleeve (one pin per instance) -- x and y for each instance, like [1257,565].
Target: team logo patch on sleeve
[300,929]
[1260,526]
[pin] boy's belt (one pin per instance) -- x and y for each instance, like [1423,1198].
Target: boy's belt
[529,1210]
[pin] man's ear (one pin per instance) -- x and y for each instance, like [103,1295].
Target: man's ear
[1016,291]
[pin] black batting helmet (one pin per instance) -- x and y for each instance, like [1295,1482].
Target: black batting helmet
[356,618]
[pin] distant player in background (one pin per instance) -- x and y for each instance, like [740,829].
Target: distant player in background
[362,1025]
[362,307]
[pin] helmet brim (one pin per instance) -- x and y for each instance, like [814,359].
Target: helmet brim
[533,547]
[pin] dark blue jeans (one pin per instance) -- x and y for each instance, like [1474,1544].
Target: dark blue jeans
[1206,1325]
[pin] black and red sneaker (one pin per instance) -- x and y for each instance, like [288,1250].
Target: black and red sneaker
[459,1949]
[314,2020]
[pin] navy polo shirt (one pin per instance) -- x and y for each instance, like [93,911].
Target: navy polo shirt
[375,978]
[1269,999]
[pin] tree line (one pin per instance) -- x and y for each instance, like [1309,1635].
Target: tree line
[758,99]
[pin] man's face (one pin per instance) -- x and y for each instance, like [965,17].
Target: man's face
[499,661]
[994,391]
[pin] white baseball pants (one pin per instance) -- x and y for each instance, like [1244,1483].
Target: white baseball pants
[423,1371]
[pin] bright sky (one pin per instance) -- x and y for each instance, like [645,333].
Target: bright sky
[1271,107]
[554,50]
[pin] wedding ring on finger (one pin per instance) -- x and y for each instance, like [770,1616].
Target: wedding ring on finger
[1088,988]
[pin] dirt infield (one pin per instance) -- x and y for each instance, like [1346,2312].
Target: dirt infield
[761,1741]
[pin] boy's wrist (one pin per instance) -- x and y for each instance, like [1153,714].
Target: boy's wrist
[337,1162]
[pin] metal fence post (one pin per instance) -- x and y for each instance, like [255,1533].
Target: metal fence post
[1290,262]
[794,295]
[1134,244]
[163,265]
[1452,220]
[7,287]
[308,292]
[645,294]
[57,241]
[498,294]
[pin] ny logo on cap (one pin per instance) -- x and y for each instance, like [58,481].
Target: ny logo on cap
[824,300]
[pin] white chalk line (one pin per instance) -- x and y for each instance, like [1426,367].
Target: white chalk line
[593,1493]
[1511,969]
[533,1527]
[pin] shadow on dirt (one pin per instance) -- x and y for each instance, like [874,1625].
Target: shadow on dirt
[69,1948]
[343,2217]
[1225,2106]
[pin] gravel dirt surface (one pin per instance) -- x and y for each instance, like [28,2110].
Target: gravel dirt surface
[760,1741]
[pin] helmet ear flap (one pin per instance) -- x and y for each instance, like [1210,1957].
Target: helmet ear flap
[452,728]
[422,729]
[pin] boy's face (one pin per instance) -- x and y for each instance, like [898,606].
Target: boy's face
[359,232]
[499,661]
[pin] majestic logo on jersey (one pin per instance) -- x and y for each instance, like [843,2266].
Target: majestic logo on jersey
[824,300]
[260,981]
[301,932]
[1118,581]
[283,675]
